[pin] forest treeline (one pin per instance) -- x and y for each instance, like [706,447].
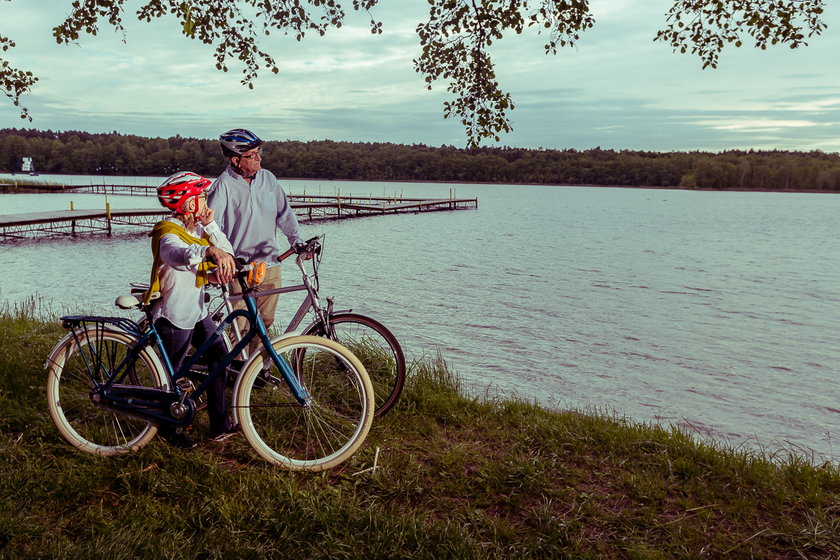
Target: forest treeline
[74,152]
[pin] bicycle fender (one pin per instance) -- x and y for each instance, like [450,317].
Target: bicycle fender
[316,322]
[61,346]
[68,341]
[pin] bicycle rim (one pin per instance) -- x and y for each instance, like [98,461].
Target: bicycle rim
[314,437]
[70,385]
[376,348]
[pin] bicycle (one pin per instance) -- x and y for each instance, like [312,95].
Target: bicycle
[303,402]
[369,340]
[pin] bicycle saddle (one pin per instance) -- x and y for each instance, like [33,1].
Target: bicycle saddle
[133,301]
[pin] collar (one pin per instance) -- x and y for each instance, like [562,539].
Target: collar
[234,172]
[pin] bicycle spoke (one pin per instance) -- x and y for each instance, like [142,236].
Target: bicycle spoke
[94,356]
[328,428]
[376,348]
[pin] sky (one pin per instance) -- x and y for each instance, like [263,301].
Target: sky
[616,89]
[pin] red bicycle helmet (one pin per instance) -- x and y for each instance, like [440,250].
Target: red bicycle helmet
[179,188]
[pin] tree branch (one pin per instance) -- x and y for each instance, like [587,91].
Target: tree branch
[455,41]
[13,81]
[455,44]
[715,23]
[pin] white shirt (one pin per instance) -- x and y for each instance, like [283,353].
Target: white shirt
[181,302]
[250,214]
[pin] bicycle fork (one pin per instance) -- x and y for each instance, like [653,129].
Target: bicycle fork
[298,390]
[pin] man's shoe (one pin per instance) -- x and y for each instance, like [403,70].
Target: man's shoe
[222,436]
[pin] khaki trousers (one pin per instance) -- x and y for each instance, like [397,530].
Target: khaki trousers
[267,305]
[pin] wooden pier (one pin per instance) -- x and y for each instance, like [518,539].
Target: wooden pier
[74,222]
[307,208]
[323,207]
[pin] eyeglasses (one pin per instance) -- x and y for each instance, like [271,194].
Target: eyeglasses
[257,155]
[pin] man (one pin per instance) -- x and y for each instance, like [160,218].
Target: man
[249,206]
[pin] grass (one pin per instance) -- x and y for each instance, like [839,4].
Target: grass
[19,185]
[455,477]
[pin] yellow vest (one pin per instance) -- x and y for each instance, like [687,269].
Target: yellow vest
[161,229]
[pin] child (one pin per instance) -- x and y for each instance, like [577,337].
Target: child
[181,245]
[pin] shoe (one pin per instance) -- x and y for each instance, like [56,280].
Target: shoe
[222,436]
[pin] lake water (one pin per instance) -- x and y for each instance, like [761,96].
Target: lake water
[712,311]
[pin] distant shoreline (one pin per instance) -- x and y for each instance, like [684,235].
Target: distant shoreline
[114,154]
[661,188]
[32,187]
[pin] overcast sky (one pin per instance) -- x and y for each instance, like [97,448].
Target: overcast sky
[618,89]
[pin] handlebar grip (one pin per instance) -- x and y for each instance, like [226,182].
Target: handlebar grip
[308,246]
[289,252]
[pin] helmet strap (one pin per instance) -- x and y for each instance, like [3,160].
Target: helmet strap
[194,212]
[241,173]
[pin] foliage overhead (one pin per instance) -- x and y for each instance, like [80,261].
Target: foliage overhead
[455,42]
[13,81]
[705,26]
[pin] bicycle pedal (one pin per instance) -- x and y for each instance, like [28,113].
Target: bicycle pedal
[264,377]
[184,384]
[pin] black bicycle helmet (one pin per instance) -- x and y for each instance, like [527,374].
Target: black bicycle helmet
[238,141]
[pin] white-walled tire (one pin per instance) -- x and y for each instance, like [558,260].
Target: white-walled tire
[314,437]
[69,387]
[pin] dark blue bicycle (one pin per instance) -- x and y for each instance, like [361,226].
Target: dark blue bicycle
[303,402]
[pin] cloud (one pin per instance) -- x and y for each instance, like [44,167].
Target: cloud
[753,125]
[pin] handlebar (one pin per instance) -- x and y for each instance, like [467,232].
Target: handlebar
[310,246]
[253,273]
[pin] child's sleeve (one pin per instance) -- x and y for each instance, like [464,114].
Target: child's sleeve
[180,255]
[218,238]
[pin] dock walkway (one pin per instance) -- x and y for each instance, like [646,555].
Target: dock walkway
[307,207]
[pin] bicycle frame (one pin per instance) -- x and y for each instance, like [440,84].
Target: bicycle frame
[310,302]
[155,404]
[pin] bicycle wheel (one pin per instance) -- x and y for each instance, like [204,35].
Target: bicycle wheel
[311,437]
[376,348]
[71,370]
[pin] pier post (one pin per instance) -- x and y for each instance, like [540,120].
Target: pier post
[108,217]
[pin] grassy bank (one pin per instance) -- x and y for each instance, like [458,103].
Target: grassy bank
[455,477]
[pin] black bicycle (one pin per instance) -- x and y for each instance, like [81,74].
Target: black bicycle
[303,402]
